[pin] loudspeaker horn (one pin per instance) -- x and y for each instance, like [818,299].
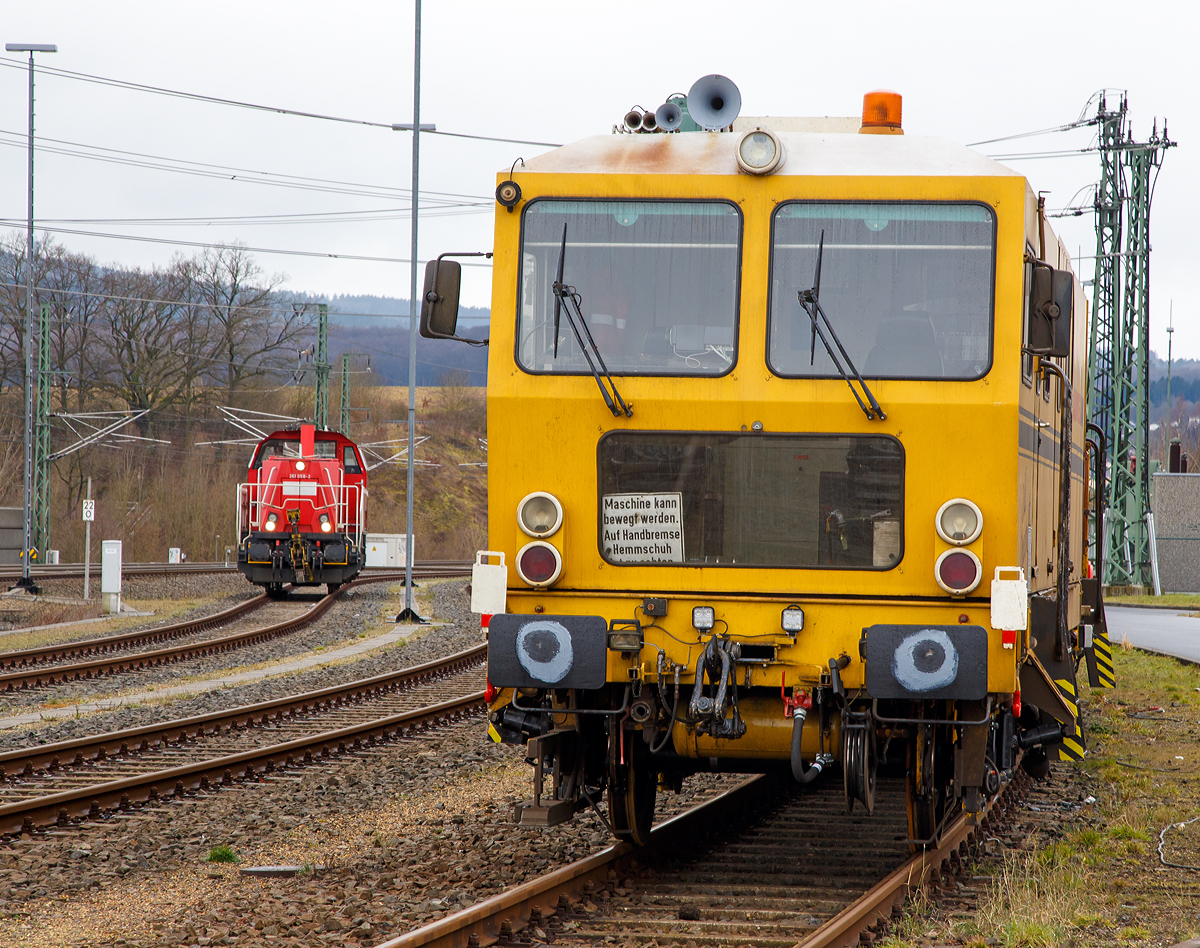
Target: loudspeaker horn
[649,124]
[633,120]
[714,102]
[669,116]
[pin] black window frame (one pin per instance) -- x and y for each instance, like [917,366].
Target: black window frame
[888,378]
[737,290]
[753,434]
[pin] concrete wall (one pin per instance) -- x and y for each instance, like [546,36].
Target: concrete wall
[12,528]
[1177,530]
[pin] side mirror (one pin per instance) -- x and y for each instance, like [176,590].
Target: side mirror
[439,302]
[1051,304]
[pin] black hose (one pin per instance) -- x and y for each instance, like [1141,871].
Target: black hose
[803,776]
[671,723]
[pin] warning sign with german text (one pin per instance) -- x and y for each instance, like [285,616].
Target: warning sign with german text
[642,528]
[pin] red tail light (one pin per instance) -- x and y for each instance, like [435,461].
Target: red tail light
[958,571]
[538,563]
[489,692]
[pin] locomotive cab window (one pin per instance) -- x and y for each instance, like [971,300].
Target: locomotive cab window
[657,286]
[714,499]
[290,448]
[350,461]
[908,288]
[275,448]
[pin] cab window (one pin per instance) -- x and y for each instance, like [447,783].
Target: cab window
[908,288]
[656,283]
[729,499]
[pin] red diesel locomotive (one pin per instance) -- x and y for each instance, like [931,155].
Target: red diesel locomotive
[302,511]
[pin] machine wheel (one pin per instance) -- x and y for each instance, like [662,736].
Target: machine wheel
[275,590]
[632,789]
[859,763]
[333,587]
[926,788]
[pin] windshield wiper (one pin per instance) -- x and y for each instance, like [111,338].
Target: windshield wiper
[567,297]
[810,300]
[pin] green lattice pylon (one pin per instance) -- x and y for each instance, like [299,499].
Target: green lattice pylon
[1119,339]
[41,439]
[346,394]
[322,367]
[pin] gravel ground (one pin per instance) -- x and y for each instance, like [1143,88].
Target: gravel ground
[402,834]
[225,591]
[451,604]
[175,586]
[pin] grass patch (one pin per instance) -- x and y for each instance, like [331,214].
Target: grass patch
[1032,899]
[1181,600]
[1093,879]
[222,853]
[1126,832]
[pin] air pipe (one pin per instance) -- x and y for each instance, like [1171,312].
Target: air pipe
[803,776]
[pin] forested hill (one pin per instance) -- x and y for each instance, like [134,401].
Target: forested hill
[439,361]
[377,326]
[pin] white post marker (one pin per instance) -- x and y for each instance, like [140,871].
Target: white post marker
[110,576]
[489,584]
[89,514]
[1010,604]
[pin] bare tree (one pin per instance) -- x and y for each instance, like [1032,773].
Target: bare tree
[147,367]
[254,331]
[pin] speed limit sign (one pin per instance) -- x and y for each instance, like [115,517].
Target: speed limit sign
[89,510]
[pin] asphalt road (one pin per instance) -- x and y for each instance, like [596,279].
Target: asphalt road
[1157,630]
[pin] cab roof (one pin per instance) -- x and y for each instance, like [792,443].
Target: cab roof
[293,434]
[817,154]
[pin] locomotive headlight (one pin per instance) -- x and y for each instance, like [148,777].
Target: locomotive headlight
[703,618]
[539,514]
[759,152]
[959,521]
[299,465]
[271,519]
[792,619]
[326,526]
[625,639]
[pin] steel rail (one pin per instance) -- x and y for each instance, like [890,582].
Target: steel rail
[879,904]
[29,761]
[510,912]
[31,675]
[95,801]
[75,570]
[482,923]
[108,643]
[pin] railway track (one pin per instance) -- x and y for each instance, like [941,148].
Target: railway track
[75,570]
[57,784]
[47,665]
[763,864]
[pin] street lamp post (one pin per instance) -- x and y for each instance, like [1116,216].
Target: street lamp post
[26,581]
[409,614]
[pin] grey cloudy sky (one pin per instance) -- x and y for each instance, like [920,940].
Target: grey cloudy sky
[547,71]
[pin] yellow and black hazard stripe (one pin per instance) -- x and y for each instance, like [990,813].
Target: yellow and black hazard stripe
[1072,747]
[1102,650]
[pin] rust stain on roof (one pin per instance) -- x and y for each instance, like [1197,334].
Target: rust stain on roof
[816,154]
